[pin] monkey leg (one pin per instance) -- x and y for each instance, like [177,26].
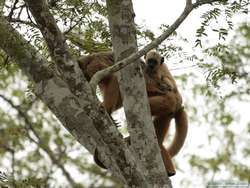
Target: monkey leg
[97,160]
[111,102]
[169,166]
[161,128]
[111,95]
[163,105]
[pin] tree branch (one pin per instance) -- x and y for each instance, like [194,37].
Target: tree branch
[202,2]
[80,113]
[188,2]
[13,9]
[56,42]
[133,57]
[17,20]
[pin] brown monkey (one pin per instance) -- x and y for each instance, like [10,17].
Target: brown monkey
[109,85]
[164,98]
[166,107]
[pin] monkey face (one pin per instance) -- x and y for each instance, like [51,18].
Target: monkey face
[153,61]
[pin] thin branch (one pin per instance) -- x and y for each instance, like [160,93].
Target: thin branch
[72,27]
[21,10]
[17,20]
[202,2]
[133,57]
[13,9]
[188,2]
[181,68]
[29,16]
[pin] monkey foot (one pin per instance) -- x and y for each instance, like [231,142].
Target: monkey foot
[97,160]
[171,174]
[127,140]
[169,166]
[115,122]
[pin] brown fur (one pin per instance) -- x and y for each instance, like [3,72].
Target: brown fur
[165,107]
[164,98]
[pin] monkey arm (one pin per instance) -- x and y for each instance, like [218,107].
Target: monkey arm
[155,86]
[165,86]
[152,90]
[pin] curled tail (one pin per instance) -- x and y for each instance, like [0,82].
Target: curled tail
[181,124]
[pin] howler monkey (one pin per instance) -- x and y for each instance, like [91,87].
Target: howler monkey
[164,99]
[166,107]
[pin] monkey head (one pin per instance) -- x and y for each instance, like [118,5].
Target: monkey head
[153,61]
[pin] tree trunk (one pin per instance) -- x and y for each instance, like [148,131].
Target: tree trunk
[81,116]
[135,102]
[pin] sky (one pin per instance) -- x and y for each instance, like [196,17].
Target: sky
[157,12]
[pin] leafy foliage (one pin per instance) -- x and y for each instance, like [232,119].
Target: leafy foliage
[216,12]
[35,151]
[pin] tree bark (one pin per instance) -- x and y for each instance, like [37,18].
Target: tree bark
[132,86]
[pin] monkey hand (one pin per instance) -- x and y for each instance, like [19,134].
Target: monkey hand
[97,160]
[165,87]
[101,106]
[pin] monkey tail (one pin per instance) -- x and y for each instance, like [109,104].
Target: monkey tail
[181,124]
